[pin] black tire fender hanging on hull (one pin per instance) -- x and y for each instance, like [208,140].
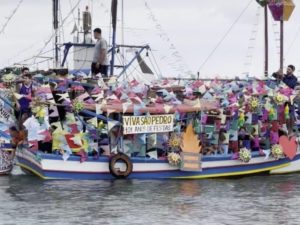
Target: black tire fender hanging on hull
[115,171]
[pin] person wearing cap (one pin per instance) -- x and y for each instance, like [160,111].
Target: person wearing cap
[289,78]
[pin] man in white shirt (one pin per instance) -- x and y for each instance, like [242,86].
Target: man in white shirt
[100,61]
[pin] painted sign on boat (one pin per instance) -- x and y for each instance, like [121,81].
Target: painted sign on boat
[148,124]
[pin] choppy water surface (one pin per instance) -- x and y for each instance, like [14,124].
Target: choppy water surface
[250,200]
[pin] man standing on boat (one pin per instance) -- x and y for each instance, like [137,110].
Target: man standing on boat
[100,61]
[289,78]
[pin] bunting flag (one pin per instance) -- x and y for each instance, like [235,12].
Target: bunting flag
[53,111]
[197,104]
[76,139]
[142,138]
[112,81]
[33,145]
[70,117]
[152,154]
[167,108]
[111,124]
[98,97]
[96,91]
[177,115]
[83,96]
[125,106]
[57,127]
[109,111]
[93,121]
[99,109]
[152,139]
[47,135]
[124,96]
[75,29]
[136,110]
[112,97]
[102,84]
[64,96]
[267,153]
[73,128]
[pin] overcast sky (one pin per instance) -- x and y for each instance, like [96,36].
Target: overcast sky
[182,34]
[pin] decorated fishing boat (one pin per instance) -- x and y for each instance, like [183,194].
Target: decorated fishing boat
[120,127]
[7,120]
[128,130]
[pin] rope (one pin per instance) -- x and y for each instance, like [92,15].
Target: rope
[293,42]
[177,61]
[10,17]
[252,42]
[52,36]
[225,35]
[159,74]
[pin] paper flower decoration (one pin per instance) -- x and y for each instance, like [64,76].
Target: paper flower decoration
[8,78]
[241,120]
[244,155]
[175,141]
[174,159]
[277,151]
[287,112]
[254,103]
[77,105]
[279,99]
[271,113]
[39,111]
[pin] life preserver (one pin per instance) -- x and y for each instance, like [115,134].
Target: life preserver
[115,171]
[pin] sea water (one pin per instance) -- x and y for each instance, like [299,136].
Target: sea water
[251,200]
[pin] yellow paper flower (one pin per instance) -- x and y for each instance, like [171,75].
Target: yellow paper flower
[277,151]
[41,112]
[174,159]
[77,105]
[254,103]
[8,78]
[279,99]
[245,155]
[174,141]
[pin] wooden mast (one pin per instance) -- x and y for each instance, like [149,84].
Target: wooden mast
[264,3]
[114,6]
[266,71]
[55,27]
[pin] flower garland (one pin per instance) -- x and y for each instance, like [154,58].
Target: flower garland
[245,155]
[174,159]
[277,151]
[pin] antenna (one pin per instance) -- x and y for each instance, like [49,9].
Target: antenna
[87,23]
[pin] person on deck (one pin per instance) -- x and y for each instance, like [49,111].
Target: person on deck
[17,138]
[27,91]
[289,78]
[24,71]
[100,61]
